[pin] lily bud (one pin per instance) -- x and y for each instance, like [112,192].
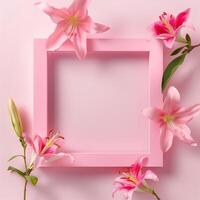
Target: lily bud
[15,118]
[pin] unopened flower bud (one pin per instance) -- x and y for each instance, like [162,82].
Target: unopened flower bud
[15,118]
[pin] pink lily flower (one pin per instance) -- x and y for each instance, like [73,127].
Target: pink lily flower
[172,119]
[46,150]
[168,27]
[134,180]
[73,25]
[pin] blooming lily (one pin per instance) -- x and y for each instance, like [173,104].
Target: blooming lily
[168,27]
[134,180]
[73,25]
[46,150]
[172,119]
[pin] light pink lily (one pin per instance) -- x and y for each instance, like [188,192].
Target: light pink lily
[134,180]
[172,119]
[168,28]
[73,25]
[46,150]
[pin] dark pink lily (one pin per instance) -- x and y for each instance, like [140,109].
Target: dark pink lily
[134,180]
[169,26]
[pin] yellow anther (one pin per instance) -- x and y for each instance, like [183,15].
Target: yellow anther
[168,118]
[73,20]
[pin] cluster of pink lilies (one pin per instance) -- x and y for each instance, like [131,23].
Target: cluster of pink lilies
[72,26]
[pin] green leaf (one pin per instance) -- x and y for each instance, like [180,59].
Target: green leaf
[19,172]
[171,68]
[188,39]
[176,51]
[32,179]
[16,156]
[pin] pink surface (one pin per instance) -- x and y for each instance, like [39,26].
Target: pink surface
[19,24]
[95,102]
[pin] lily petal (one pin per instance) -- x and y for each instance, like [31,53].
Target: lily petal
[151,176]
[80,44]
[57,15]
[50,158]
[136,168]
[129,194]
[98,28]
[172,21]
[184,134]
[182,17]
[123,188]
[152,113]
[115,190]
[38,144]
[51,150]
[185,115]
[165,36]
[169,43]
[90,27]
[158,28]
[143,161]
[59,36]
[166,139]
[28,139]
[123,181]
[172,100]
[79,7]
[38,161]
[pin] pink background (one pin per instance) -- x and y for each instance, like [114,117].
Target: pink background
[20,22]
[83,91]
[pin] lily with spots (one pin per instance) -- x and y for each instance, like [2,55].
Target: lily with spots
[168,27]
[135,180]
[173,119]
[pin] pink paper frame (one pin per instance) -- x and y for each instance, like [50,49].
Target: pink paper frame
[83,159]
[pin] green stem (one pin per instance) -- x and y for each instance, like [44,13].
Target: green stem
[25,164]
[150,190]
[191,48]
[25,187]
[29,169]
[195,46]
[155,194]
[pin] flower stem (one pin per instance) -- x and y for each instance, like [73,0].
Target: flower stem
[25,162]
[156,195]
[146,188]
[23,143]
[25,187]
[195,46]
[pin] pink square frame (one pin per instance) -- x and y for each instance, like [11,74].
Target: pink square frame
[93,159]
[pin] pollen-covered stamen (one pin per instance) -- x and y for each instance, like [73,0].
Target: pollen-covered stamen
[73,24]
[52,141]
[131,178]
[73,20]
[165,20]
[169,120]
